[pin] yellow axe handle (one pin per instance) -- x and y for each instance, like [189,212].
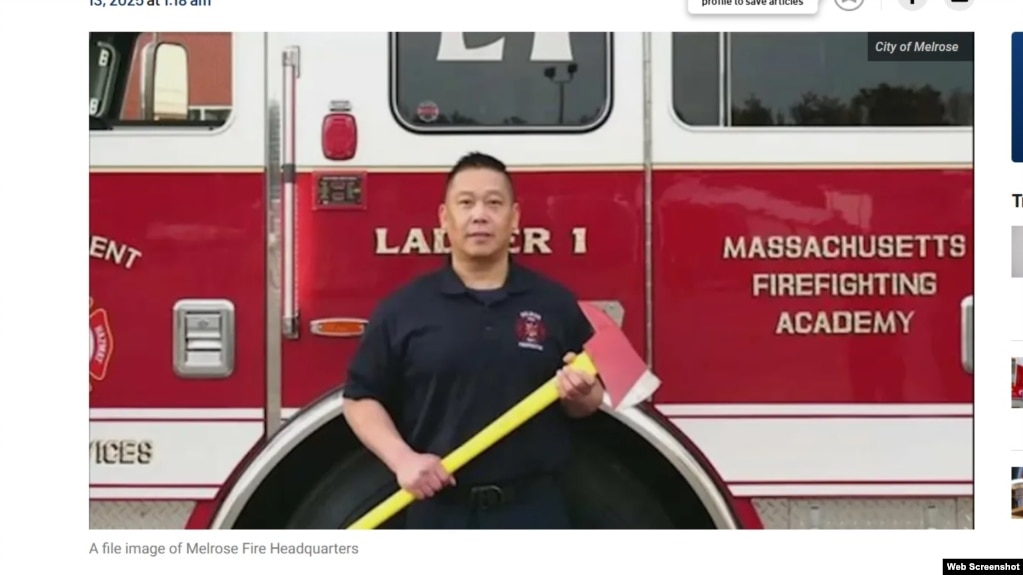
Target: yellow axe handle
[522,412]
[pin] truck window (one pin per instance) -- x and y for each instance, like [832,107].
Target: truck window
[191,89]
[507,82]
[811,79]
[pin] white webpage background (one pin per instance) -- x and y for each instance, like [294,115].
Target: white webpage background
[1013,307]
[44,219]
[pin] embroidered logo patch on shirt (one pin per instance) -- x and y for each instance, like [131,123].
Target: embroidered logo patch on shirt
[530,330]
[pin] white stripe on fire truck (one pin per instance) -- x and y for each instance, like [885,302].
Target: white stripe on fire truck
[682,411]
[404,169]
[767,490]
[159,493]
[854,489]
[756,456]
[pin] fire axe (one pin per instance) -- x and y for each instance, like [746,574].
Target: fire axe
[625,376]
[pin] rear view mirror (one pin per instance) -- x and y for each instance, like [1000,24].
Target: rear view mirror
[165,82]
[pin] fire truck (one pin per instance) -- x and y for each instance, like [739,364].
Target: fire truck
[782,226]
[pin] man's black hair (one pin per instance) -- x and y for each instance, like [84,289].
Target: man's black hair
[478,160]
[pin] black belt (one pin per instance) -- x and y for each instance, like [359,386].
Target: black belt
[493,495]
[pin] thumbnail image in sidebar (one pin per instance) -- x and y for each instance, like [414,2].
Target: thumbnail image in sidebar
[1014,307]
[1017,493]
[1017,251]
[1017,383]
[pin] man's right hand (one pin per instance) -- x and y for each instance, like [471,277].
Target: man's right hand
[422,475]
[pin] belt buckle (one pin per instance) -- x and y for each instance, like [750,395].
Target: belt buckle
[486,496]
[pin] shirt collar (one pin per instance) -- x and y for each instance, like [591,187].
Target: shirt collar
[516,282]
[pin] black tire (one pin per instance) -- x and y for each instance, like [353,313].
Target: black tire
[602,495]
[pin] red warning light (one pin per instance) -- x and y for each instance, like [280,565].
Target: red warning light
[340,137]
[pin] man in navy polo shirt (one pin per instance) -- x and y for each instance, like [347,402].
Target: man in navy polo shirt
[451,351]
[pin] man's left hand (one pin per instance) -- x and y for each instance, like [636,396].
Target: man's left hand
[574,385]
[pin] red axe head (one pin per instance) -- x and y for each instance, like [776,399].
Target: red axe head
[625,375]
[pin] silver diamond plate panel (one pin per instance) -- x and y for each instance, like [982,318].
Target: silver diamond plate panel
[778,513]
[139,514]
[964,513]
[775,513]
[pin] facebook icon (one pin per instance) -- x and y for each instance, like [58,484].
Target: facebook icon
[1017,97]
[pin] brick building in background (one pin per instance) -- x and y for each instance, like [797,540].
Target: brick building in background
[209,74]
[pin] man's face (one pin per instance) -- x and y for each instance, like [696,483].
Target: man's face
[478,214]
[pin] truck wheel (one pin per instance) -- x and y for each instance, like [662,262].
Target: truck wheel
[602,494]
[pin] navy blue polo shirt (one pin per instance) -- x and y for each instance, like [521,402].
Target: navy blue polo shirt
[445,361]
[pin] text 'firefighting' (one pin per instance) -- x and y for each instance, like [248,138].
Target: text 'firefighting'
[247,548]
[117,253]
[871,284]
[419,241]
